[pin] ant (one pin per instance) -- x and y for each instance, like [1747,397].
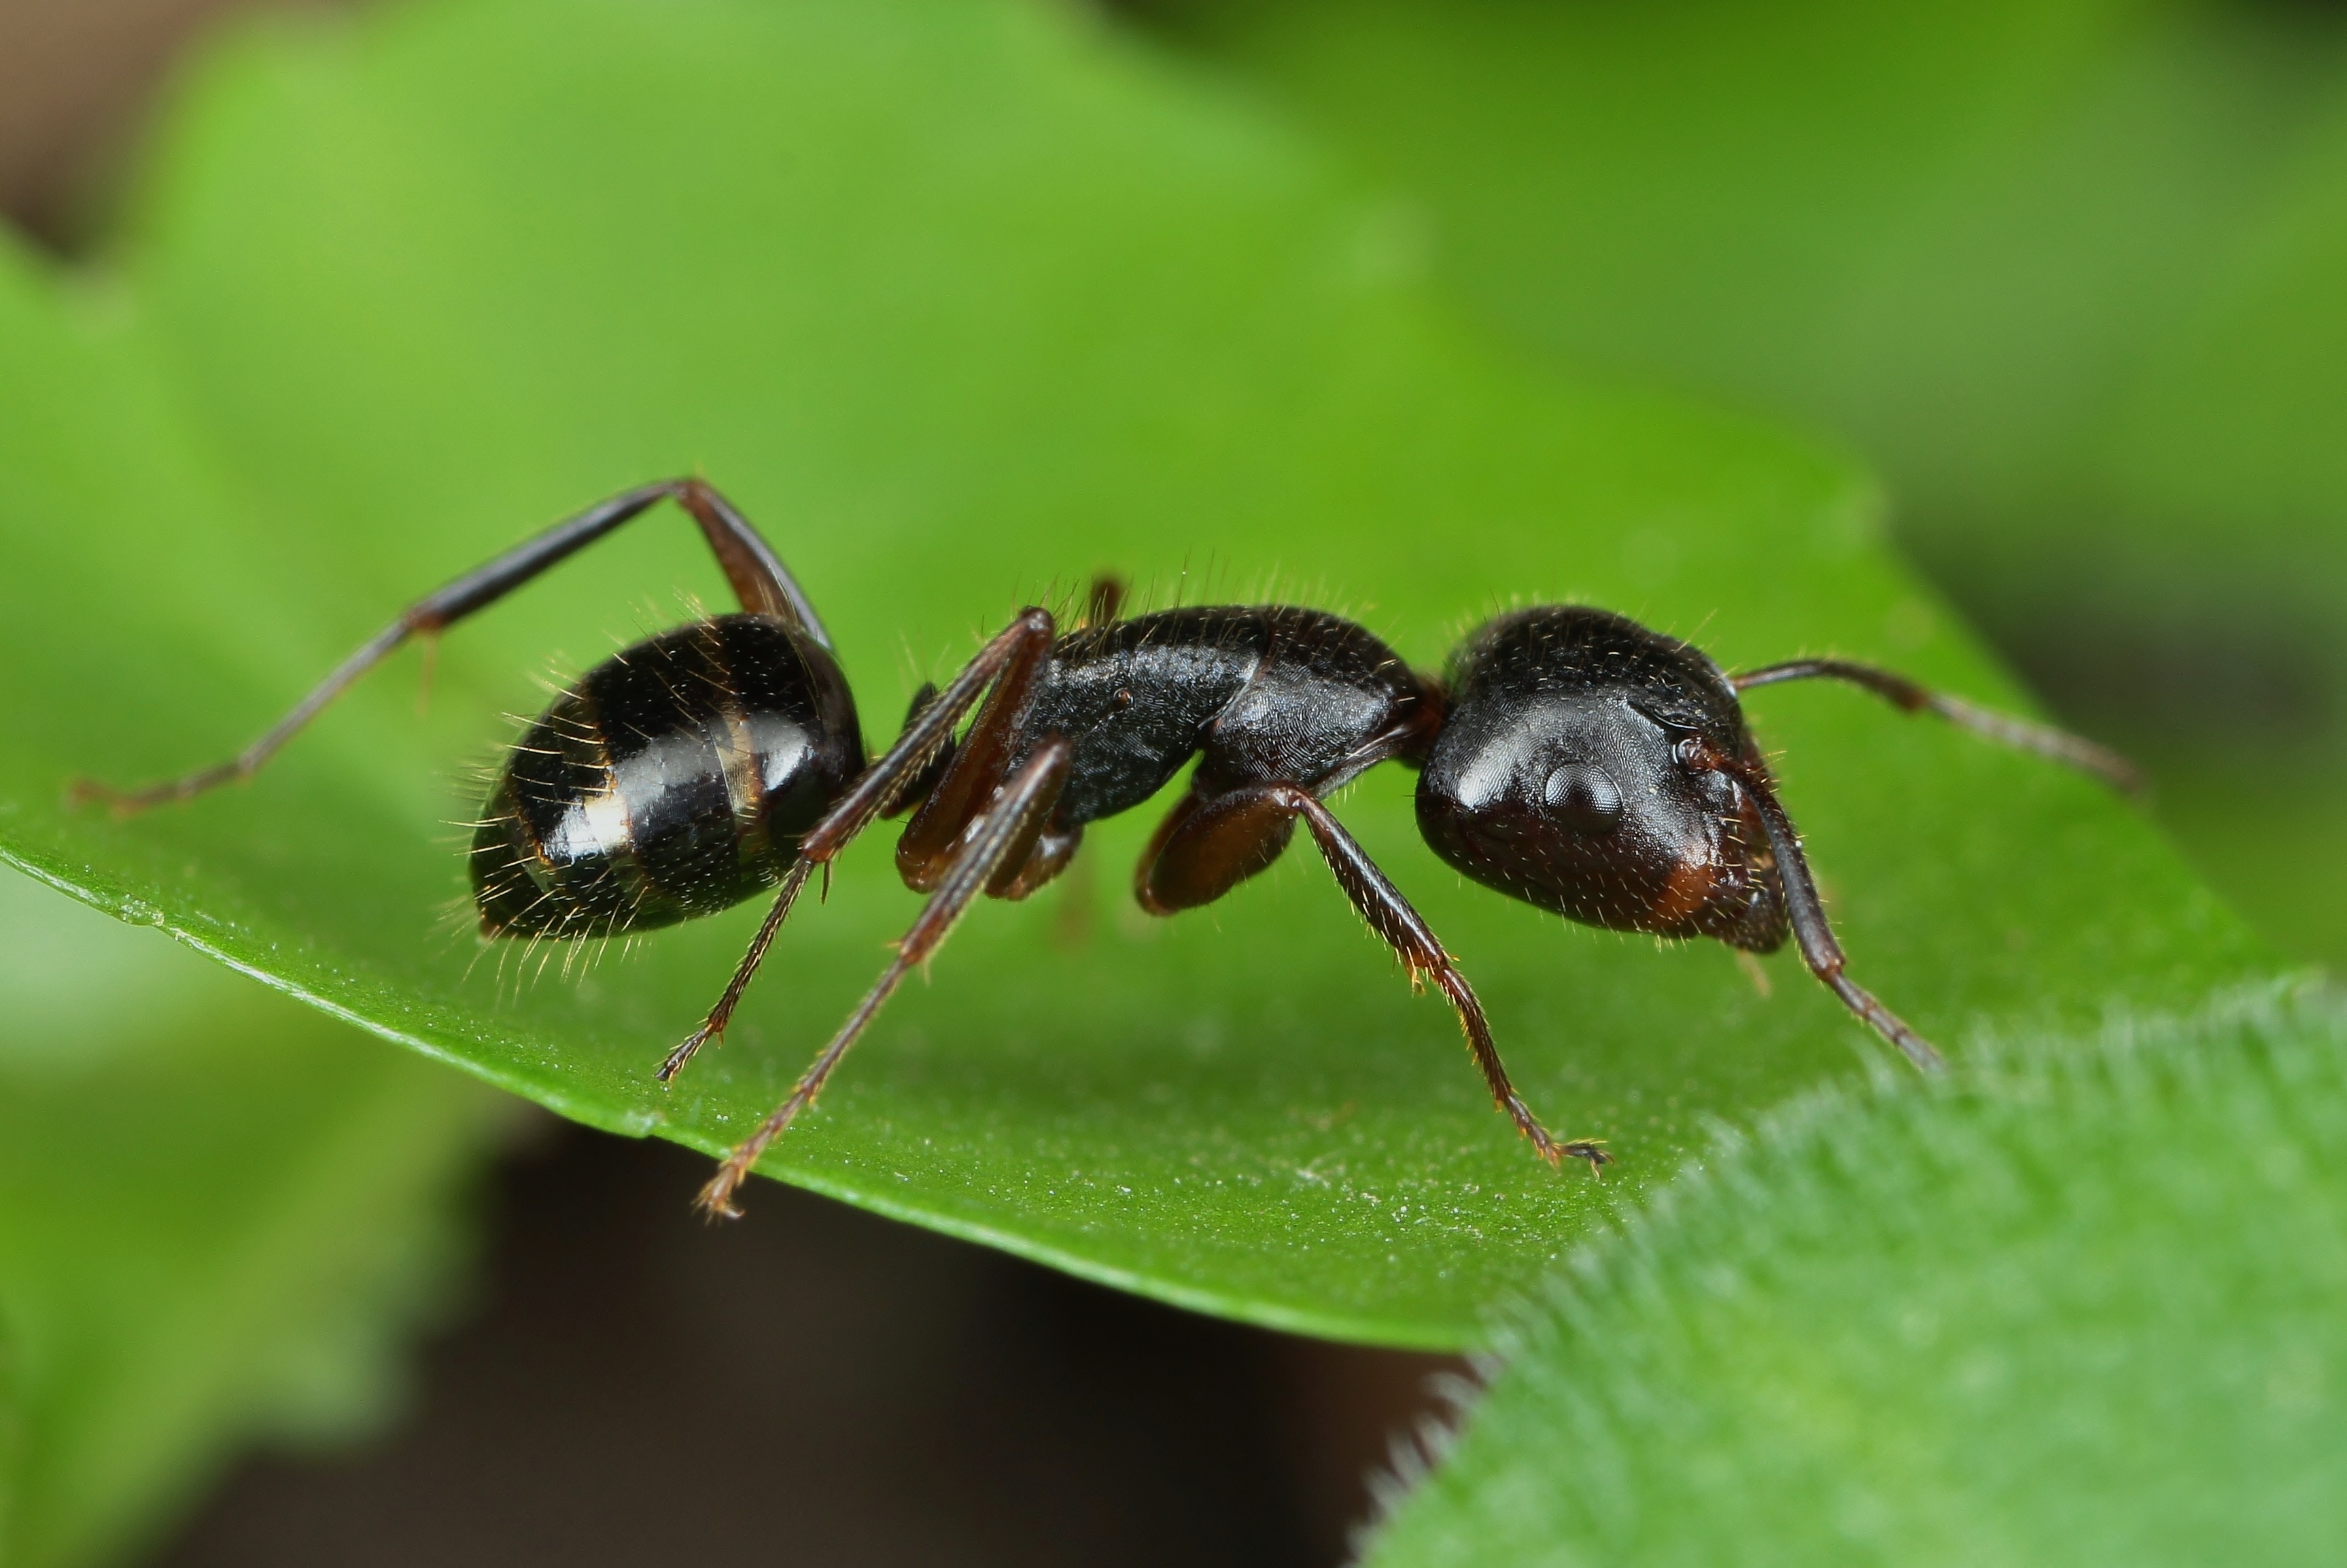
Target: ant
[1569,757]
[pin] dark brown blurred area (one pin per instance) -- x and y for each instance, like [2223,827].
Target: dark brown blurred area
[816,1386]
[812,1387]
[76,77]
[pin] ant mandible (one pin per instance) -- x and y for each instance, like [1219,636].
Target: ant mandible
[1569,757]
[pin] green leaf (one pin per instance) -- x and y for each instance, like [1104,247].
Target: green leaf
[962,302]
[218,1211]
[2082,1309]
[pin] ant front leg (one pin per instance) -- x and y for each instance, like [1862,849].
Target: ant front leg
[999,837]
[1006,665]
[1815,937]
[2022,735]
[1207,846]
[759,579]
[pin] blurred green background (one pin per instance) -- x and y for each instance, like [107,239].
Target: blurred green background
[2070,279]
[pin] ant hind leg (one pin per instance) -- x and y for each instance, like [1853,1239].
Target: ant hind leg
[759,579]
[1008,661]
[1008,826]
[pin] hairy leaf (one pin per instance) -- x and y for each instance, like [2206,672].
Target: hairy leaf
[2081,1310]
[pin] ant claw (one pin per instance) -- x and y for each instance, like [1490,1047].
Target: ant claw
[715,1199]
[684,1052]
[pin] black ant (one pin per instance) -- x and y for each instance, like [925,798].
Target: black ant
[1569,757]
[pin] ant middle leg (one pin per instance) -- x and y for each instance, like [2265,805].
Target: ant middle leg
[1007,664]
[759,579]
[1005,832]
[1207,846]
[2007,729]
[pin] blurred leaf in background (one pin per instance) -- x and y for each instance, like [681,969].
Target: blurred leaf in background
[220,1215]
[963,301]
[2073,274]
[2082,1308]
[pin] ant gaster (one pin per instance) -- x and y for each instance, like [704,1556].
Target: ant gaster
[1569,757]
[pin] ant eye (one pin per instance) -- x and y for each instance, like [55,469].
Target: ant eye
[1583,798]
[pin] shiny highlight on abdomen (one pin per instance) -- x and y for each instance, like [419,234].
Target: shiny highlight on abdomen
[673,781]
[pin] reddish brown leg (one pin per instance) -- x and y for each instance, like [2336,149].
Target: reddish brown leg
[1207,847]
[1819,949]
[2022,735]
[931,840]
[919,784]
[713,1026]
[1043,857]
[1025,801]
[1390,914]
[757,575]
[1011,657]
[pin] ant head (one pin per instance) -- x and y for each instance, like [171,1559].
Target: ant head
[1582,784]
[1577,805]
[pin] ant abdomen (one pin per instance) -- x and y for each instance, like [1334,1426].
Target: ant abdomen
[674,780]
